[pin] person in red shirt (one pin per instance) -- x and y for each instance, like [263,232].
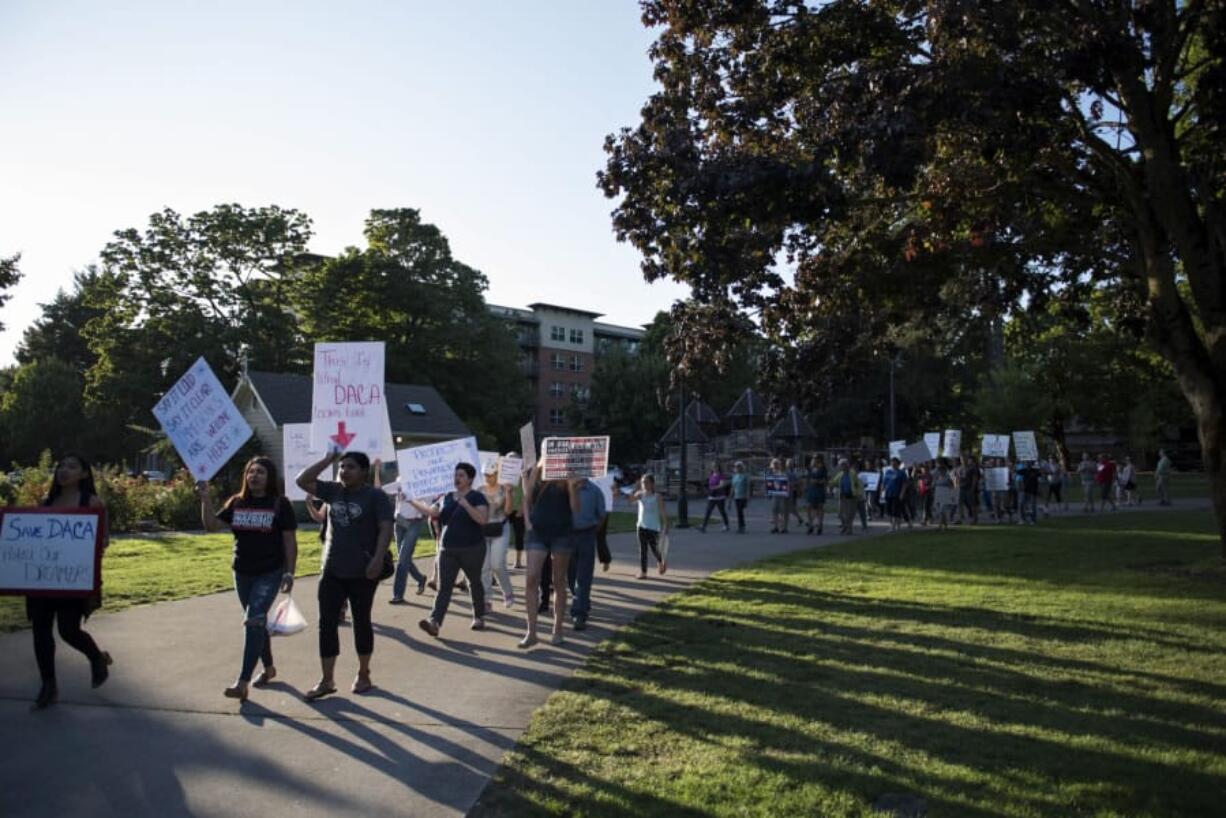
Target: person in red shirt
[1104,478]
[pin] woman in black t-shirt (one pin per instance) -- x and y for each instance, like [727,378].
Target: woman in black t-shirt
[265,556]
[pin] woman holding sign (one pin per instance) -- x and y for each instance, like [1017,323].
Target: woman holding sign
[265,556]
[72,486]
[550,506]
[461,546]
[359,532]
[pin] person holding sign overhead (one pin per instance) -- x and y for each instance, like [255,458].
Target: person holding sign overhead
[355,547]
[72,486]
[265,556]
[550,506]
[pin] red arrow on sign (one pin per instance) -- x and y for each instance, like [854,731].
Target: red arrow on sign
[342,438]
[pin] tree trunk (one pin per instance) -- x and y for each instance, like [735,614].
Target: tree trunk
[1212,433]
[1060,437]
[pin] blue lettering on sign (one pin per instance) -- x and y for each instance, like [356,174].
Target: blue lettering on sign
[71,529]
[14,530]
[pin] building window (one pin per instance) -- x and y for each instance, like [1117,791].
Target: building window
[557,334]
[415,408]
[576,336]
[555,389]
[576,363]
[557,360]
[557,417]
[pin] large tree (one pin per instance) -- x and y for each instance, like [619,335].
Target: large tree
[58,332]
[852,172]
[10,274]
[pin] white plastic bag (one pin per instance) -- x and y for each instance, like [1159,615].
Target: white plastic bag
[286,619]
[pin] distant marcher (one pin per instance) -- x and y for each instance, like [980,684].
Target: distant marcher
[1029,474]
[1055,486]
[265,557]
[461,547]
[550,506]
[969,477]
[1087,470]
[1104,479]
[1162,478]
[945,499]
[740,494]
[516,519]
[815,492]
[779,502]
[407,531]
[585,524]
[847,487]
[923,488]
[72,486]
[652,523]
[1127,482]
[794,494]
[360,522]
[717,495]
[894,482]
[498,497]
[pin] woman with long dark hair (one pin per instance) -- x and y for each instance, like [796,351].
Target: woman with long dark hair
[72,486]
[265,556]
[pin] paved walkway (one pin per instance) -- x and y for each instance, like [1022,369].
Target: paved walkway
[160,740]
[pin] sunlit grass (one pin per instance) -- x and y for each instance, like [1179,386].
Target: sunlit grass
[1076,668]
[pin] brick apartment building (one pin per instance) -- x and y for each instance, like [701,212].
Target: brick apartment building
[558,350]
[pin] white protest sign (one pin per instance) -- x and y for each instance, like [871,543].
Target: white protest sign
[527,445]
[944,496]
[606,488]
[428,471]
[933,441]
[870,480]
[486,459]
[201,421]
[995,446]
[915,453]
[569,457]
[51,553]
[296,454]
[348,403]
[952,447]
[896,447]
[509,470]
[996,478]
[1026,446]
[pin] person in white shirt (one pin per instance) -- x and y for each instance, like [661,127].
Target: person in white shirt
[408,524]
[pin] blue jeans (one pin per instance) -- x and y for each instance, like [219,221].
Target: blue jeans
[256,592]
[407,532]
[580,571]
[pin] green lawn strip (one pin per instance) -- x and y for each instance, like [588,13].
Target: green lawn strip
[1076,668]
[156,568]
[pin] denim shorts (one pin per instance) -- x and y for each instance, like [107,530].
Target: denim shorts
[562,543]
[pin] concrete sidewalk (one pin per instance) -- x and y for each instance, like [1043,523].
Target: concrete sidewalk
[160,740]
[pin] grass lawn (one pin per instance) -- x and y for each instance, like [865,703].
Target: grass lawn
[1074,669]
[139,570]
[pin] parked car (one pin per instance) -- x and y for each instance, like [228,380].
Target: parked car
[154,476]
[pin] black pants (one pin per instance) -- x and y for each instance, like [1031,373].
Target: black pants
[603,554]
[740,512]
[648,539]
[333,592]
[517,529]
[43,613]
[451,561]
[712,504]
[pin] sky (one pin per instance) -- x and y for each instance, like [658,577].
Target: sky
[487,116]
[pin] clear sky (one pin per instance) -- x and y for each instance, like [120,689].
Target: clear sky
[488,116]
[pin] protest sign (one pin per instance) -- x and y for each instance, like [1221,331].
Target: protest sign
[916,453]
[201,421]
[296,455]
[870,480]
[606,488]
[509,470]
[1026,446]
[527,445]
[568,457]
[952,446]
[944,496]
[51,553]
[486,458]
[995,446]
[896,447]
[778,485]
[428,471]
[347,399]
[933,441]
[996,478]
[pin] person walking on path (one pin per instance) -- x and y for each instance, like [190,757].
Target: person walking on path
[1104,478]
[1127,482]
[1087,471]
[1029,478]
[717,495]
[969,476]
[407,531]
[461,547]
[360,522]
[944,499]
[652,523]
[585,523]
[894,482]
[815,493]
[72,486]
[1055,486]
[498,497]
[265,558]
[516,519]
[795,492]
[740,494]
[550,506]
[847,487]
[1162,478]
[778,490]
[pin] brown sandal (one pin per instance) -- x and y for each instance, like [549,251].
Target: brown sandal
[318,692]
[362,684]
